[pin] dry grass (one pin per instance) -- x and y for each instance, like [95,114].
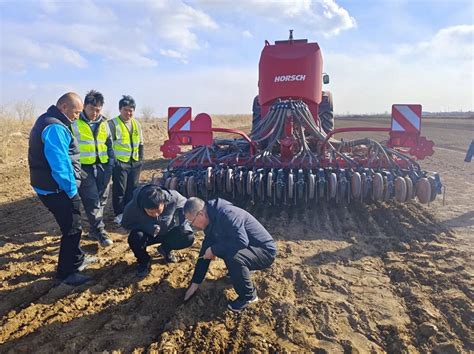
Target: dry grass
[14,133]
[14,139]
[232,121]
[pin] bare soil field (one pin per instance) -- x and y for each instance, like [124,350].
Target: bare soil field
[382,277]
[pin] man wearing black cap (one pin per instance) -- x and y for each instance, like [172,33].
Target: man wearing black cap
[127,140]
[155,215]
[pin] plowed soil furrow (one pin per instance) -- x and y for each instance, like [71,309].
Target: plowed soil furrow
[368,277]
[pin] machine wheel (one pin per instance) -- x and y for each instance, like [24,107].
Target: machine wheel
[209,179]
[239,182]
[192,187]
[249,183]
[311,186]
[410,188]
[269,184]
[423,190]
[229,181]
[174,183]
[332,186]
[260,186]
[377,186]
[220,180]
[433,188]
[356,184]
[400,189]
[291,186]
[386,191]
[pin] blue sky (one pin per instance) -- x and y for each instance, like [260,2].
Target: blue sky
[204,53]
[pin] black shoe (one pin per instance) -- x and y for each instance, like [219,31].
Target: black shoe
[168,256]
[75,279]
[238,305]
[143,269]
[102,237]
[86,261]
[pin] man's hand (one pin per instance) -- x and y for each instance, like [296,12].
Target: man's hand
[208,254]
[190,292]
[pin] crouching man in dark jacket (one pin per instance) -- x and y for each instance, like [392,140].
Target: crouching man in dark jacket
[235,236]
[155,215]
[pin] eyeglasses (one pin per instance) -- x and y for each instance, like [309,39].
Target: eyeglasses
[191,222]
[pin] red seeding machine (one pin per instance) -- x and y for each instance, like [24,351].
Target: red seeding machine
[291,156]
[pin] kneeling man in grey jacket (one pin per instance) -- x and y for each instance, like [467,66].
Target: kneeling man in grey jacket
[155,215]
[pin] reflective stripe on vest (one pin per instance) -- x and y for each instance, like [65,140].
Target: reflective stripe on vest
[91,147]
[125,148]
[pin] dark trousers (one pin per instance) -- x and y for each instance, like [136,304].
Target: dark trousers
[94,191]
[174,239]
[240,265]
[125,177]
[67,213]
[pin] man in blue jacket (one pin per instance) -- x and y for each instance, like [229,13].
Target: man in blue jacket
[53,159]
[235,236]
[155,215]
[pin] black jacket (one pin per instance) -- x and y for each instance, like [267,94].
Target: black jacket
[135,217]
[230,229]
[40,171]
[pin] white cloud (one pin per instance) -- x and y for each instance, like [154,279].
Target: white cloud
[455,42]
[175,22]
[247,34]
[128,34]
[173,54]
[321,16]
[20,52]
[436,73]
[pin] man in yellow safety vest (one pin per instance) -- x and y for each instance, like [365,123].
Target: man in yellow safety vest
[127,140]
[97,158]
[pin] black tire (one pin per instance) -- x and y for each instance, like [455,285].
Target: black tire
[326,115]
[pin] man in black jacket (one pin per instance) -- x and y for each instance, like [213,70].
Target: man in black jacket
[55,175]
[155,215]
[235,236]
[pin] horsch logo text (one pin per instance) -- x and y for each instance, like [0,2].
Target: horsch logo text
[283,78]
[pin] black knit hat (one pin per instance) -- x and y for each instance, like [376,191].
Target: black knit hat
[151,196]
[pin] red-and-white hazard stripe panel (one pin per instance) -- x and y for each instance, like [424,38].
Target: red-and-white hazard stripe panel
[406,118]
[179,119]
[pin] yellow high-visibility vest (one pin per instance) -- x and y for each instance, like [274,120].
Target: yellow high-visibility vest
[124,147]
[91,146]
